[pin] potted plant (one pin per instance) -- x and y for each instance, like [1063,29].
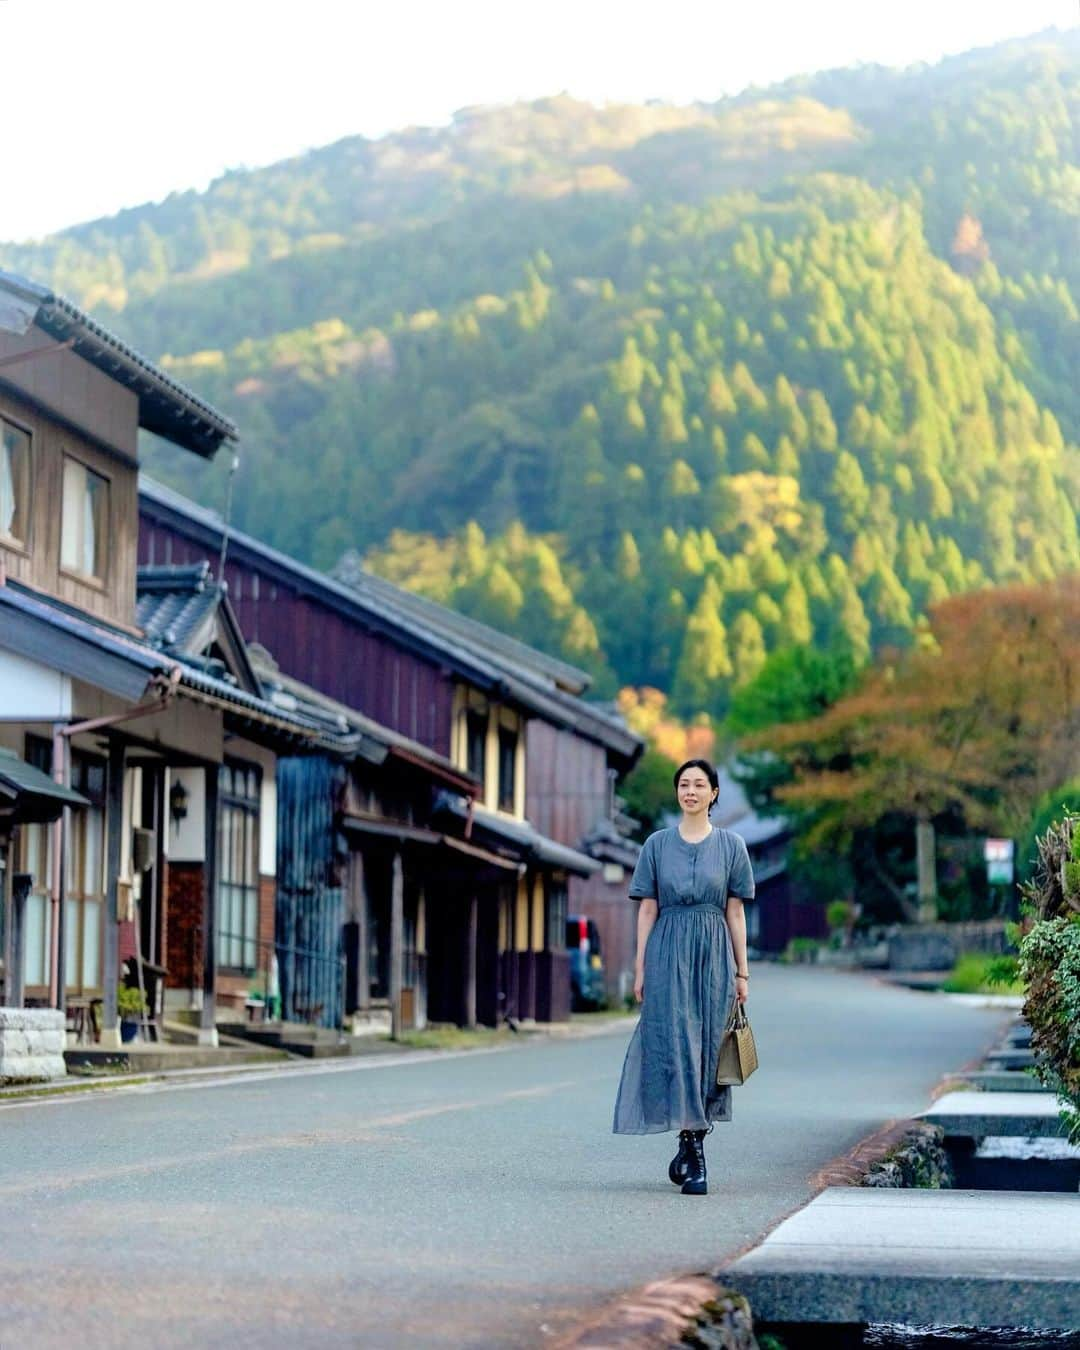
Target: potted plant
[131,1006]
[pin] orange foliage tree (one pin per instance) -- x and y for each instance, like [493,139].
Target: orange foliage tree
[979,719]
[646,712]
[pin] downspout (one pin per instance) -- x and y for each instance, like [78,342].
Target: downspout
[165,687]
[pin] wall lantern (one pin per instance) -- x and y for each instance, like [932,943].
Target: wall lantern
[178,802]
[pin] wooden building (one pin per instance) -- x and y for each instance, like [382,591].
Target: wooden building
[543,760]
[171,747]
[779,913]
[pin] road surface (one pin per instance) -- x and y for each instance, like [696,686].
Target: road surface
[469,1200]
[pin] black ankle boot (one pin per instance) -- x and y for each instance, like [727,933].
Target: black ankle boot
[696,1182]
[679,1168]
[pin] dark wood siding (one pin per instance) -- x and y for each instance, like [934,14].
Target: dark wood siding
[566,783]
[314,643]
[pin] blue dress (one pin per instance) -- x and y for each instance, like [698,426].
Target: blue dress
[669,1075]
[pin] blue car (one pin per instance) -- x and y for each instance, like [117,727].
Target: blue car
[586,963]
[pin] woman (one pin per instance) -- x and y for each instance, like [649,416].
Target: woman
[691,966]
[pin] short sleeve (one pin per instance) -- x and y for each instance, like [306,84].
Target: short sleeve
[741,875]
[643,882]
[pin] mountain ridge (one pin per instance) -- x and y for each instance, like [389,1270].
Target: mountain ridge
[783,369]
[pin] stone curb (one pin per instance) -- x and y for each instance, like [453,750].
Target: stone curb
[660,1315]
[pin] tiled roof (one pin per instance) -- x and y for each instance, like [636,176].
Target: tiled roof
[350,572]
[497,661]
[66,639]
[175,602]
[734,812]
[606,843]
[166,407]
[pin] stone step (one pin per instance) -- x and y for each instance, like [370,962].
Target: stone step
[962,1258]
[296,1038]
[1018,1037]
[1003,1080]
[1010,1058]
[974,1115]
[154,1058]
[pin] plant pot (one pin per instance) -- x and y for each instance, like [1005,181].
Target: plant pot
[128,1031]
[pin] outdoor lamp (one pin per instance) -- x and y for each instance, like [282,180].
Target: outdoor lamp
[178,800]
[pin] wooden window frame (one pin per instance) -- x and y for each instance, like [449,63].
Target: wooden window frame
[476,719]
[506,792]
[100,583]
[12,541]
[247,805]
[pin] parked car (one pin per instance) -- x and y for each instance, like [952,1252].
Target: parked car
[586,963]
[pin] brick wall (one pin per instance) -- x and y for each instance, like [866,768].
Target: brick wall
[183,940]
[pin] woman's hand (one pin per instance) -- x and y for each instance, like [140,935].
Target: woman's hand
[742,988]
[639,983]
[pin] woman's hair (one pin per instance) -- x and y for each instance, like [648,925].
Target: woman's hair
[705,767]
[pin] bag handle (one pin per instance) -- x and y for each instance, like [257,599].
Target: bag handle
[738,1017]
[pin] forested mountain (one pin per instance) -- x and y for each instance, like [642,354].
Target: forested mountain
[658,389]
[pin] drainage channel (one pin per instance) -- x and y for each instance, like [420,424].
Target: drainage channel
[897,1336]
[980,1162]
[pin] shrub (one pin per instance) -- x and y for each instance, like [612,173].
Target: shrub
[1050,966]
[977,973]
[801,949]
[838,913]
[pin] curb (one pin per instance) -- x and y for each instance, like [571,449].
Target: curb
[75,1086]
[660,1315]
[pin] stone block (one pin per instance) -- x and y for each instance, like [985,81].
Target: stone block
[31,1045]
[31,1068]
[966,1258]
[921,949]
[975,1115]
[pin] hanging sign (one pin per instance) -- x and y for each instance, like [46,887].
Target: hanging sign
[999,861]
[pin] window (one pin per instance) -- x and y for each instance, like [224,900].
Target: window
[84,879]
[507,762]
[238,866]
[85,521]
[35,857]
[14,483]
[557,905]
[475,742]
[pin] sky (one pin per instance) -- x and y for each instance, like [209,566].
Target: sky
[125,101]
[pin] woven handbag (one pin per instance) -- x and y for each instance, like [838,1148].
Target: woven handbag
[738,1053]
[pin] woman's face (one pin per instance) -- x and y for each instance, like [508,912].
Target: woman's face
[695,792]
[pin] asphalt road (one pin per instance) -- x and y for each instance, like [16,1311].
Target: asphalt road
[467,1200]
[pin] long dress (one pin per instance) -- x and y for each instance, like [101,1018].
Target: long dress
[669,1075]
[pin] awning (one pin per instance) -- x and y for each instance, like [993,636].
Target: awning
[519,835]
[28,796]
[416,834]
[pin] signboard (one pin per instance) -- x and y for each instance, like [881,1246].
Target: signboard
[999,861]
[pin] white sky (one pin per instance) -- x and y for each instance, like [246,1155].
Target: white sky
[110,103]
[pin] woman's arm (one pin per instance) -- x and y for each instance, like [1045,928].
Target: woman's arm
[736,922]
[646,917]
